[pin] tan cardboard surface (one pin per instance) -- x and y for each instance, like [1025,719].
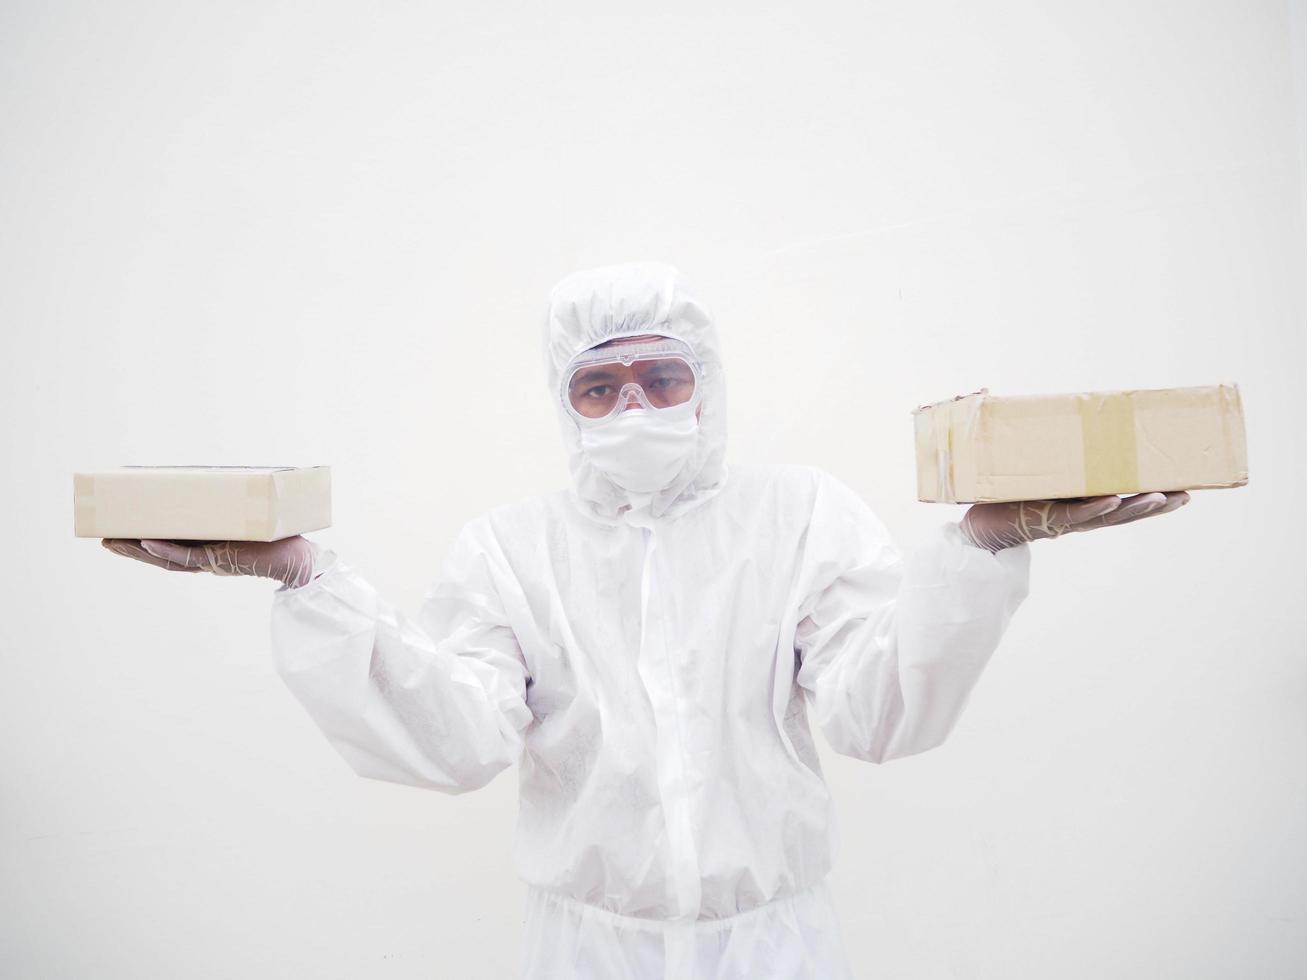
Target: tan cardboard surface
[984,448]
[202,503]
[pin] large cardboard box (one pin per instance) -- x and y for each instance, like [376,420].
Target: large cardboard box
[202,503]
[982,448]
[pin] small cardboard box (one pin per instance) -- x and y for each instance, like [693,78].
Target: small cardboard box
[978,448]
[202,503]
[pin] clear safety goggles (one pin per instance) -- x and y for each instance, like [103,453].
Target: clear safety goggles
[656,375]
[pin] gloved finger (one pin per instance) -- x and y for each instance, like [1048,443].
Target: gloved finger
[186,556]
[130,548]
[1169,502]
[140,554]
[1131,509]
[1140,504]
[1077,512]
[1175,499]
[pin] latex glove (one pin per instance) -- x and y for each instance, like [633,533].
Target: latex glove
[998,526]
[289,561]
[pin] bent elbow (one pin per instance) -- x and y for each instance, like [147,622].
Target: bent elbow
[464,776]
[442,781]
[882,750]
[452,777]
[906,750]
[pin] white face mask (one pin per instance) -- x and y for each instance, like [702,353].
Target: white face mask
[642,450]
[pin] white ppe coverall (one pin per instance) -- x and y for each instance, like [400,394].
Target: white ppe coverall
[652,668]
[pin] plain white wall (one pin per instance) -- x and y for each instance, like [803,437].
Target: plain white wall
[324,233]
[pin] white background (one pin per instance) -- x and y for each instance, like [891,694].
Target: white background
[267,233]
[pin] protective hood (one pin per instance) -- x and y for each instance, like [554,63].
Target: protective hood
[597,305]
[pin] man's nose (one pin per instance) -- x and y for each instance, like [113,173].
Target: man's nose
[632,401]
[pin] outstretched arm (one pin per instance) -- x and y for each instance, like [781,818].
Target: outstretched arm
[439,702]
[889,650]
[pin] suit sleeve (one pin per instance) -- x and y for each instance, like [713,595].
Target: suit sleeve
[889,650]
[437,702]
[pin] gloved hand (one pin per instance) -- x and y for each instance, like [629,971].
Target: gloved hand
[289,560]
[998,526]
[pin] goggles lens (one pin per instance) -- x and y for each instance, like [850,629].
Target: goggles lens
[603,382]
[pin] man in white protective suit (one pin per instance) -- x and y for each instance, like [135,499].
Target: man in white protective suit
[649,645]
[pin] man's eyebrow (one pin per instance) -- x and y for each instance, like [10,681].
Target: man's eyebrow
[591,374]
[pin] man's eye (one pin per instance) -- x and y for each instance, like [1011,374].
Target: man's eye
[599,391]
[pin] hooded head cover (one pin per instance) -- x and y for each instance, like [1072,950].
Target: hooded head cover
[593,306]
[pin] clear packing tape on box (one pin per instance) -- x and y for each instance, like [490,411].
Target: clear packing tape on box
[979,448]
